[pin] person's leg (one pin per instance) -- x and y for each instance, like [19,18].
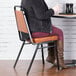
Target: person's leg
[50,58]
[51,53]
[60,45]
[61,53]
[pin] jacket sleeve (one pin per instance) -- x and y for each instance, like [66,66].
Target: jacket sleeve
[39,10]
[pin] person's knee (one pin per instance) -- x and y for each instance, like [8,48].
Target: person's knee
[58,30]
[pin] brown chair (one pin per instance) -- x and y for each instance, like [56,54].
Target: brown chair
[25,35]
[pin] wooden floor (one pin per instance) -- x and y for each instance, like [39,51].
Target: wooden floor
[6,69]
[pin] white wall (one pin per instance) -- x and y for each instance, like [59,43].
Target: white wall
[9,40]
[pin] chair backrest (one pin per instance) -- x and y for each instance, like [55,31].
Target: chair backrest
[22,25]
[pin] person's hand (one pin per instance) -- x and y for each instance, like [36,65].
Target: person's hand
[56,9]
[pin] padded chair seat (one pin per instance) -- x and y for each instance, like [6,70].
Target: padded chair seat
[45,39]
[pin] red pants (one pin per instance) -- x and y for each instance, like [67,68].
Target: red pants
[55,31]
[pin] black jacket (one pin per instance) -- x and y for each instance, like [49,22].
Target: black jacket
[38,15]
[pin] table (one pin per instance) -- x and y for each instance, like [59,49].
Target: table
[67,16]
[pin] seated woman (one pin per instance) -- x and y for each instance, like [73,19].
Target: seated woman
[39,21]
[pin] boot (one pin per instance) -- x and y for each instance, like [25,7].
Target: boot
[61,60]
[50,58]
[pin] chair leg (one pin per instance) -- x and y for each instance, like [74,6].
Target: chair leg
[56,54]
[19,54]
[42,54]
[32,59]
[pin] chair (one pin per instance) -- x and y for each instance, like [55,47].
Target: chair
[25,35]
